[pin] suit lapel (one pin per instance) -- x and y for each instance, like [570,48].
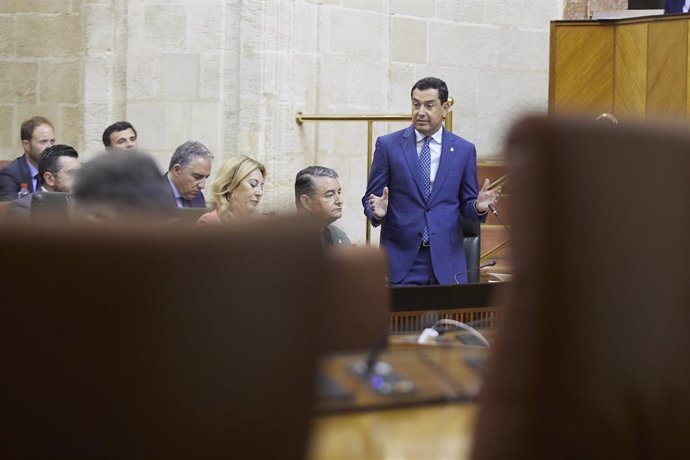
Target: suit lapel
[447,156]
[25,173]
[409,148]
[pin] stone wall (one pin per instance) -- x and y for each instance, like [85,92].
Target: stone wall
[582,9]
[41,68]
[234,73]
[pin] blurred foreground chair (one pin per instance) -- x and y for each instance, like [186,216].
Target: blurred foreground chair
[134,343]
[592,361]
[356,312]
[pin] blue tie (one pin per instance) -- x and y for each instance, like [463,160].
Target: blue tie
[425,169]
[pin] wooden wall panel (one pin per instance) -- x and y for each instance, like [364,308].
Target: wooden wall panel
[630,94]
[667,76]
[583,70]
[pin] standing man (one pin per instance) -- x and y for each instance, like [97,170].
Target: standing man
[121,136]
[677,6]
[37,134]
[189,168]
[58,167]
[318,195]
[423,181]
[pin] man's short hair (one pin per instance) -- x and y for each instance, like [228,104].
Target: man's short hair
[125,181]
[50,158]
[304,182]
[28,127]
[432,83]
[114,128]
[186,153]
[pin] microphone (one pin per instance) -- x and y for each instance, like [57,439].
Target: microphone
[490,263]
[379,375]
[492,208]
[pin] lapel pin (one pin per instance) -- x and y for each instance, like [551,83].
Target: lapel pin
[452,149]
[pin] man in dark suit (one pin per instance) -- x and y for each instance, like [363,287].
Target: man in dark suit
[677,6]
[423,181]
[318,195]
[120,135]
[37,134]
[57,169]
[189,168]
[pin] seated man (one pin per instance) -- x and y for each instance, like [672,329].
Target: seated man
[37,134]
[318,195]
[57,169]
[120,186]
[121,136]
[189,168]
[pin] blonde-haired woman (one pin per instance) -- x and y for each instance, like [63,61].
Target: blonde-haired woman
[236,191]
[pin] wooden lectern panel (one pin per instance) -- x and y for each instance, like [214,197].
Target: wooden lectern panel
[668,68]
[632,68]
[630,99]
[584,64]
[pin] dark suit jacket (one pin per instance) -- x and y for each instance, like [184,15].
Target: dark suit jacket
[396,165]
[199,201]
[674,6]
[12,176]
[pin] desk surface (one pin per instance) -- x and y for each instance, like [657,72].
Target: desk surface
[431,429]
[427,432]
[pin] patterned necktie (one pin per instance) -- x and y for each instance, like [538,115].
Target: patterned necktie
[425,169]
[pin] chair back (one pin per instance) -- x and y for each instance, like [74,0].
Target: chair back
[50,206]
[152,342]
[471,231]
[592,359]
[359,300]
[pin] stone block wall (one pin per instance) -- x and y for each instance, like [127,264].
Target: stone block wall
[234,73]
[41,68]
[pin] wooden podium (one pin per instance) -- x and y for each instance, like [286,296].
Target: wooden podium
[627,67]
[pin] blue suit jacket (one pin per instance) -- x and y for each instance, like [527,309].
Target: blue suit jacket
[12,176]
[396,166]
[674,6]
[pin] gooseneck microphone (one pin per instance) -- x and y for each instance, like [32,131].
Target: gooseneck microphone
[490,263]
[492,208]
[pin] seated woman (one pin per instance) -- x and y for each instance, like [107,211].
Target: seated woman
[236,191]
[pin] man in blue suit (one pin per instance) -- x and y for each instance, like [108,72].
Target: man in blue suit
[677,6]
[423,181]
[37,134]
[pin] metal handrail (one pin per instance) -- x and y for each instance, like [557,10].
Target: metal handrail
[499,182]
[301,118]
[494,250]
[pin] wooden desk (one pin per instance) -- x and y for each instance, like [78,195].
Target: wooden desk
[431,429]
[441,431]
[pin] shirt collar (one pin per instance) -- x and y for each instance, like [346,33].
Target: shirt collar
[437,136]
